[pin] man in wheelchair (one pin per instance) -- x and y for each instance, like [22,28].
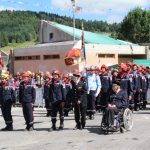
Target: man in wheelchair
[115,109]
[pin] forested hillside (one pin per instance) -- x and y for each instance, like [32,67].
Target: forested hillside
[21,26]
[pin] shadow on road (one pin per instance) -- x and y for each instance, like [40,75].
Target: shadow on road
[95,129]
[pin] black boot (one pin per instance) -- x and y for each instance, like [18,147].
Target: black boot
[53,128]
[9,127]
[48,114]
[61,127]
[83,125]
[78,126]
[144,104]
[29,127]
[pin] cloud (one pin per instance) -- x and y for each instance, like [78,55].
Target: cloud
[21,3]
[6,8]
[96,6]
[10,8]
[103,7]
[114,18]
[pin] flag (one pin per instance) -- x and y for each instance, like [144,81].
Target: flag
[78,9]
[83,55]
[73,56]
[1,62]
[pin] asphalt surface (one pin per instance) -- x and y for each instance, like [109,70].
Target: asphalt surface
[91,138]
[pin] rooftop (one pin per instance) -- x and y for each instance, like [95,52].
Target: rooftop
[90,37]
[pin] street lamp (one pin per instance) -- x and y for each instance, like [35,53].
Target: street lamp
[73,7]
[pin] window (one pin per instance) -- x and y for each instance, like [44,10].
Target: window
[110,55]
[101,55]
[106,55]
[55,56]
[51,35]
[37,57]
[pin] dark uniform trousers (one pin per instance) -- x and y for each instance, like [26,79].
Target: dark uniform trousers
[144,85]
[104,100]
[68,105]
[106,85]
[47,99]
[48,107]
[7,98]
[137,98]
[80,109]
[6,112]
[79,100]
[91,103]
[136,88]
[28,113]
[108,116]
[57,107]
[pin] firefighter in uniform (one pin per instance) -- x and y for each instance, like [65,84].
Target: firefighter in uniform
[79,99]
[125,83]
[46,94]
[136,87]
[7,99]
[106,86]
[27,95]
[94,87]
[144,87]
[130,77]
[57,99]
[68,105]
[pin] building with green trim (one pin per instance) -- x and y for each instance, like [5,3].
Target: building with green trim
[56,40]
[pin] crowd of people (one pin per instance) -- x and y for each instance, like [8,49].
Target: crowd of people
[85,92]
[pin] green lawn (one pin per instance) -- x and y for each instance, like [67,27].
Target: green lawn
[17,45]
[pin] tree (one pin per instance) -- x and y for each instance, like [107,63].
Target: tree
[20,26]
[3,39]
[136,26]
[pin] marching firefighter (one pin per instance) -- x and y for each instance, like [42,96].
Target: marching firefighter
[46,94]
[125,83]
[136,86]
[27,96]
[57,100]
[144,87]
[68,105]
[79,99]
[106,86]
[130,77]
[7,99]
[94,87]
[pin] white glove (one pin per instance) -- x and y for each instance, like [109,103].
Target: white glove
[96,94]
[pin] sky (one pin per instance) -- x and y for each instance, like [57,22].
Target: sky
[106,10]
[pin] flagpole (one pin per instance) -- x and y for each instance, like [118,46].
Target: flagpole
[83,45]
[74,23]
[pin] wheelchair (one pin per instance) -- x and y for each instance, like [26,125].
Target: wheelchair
[122,122]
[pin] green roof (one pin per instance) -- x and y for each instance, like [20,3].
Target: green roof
[145,62]
[90,37]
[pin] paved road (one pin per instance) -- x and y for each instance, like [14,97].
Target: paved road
[90,138]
